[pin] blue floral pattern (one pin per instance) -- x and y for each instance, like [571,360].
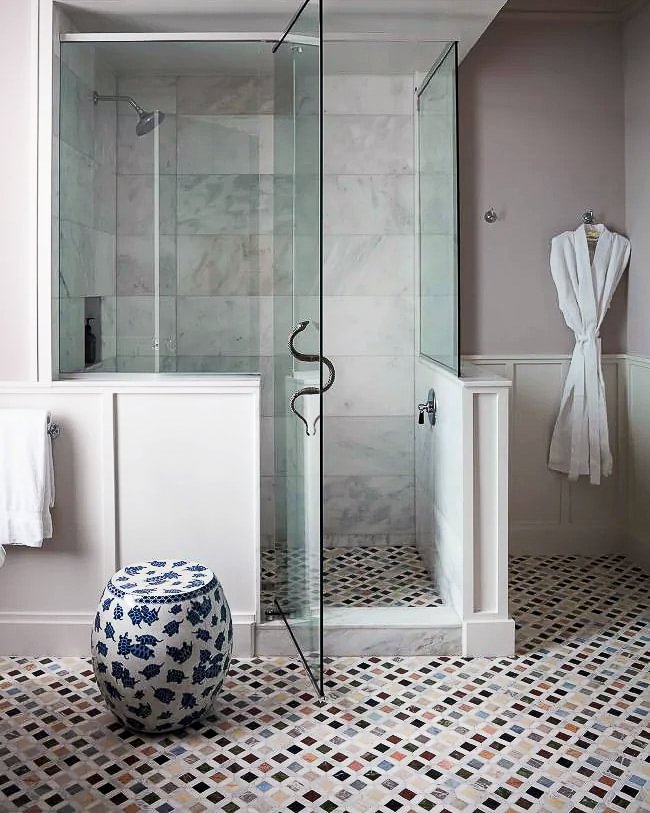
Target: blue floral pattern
[161,644]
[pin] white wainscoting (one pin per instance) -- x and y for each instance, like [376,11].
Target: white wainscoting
[462,501]
[549,514]
[638,459]
[142,469]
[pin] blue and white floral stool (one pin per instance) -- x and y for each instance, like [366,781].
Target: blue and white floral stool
[161,644]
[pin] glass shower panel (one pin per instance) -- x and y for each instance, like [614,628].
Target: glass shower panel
[297,305]
[85,220]
[438,208]
[145,208]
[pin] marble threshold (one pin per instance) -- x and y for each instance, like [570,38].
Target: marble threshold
[366,631]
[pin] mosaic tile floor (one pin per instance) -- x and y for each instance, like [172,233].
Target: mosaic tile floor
[560,727]
[366,577]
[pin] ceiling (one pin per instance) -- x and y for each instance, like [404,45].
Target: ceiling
[429,20]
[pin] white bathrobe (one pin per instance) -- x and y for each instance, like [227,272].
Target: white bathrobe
[580,442]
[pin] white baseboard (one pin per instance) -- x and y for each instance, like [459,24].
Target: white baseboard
[489,637]
[540,539]
[68,635]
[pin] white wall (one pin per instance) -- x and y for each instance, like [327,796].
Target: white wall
[142,470]
[18,67]
[638,469]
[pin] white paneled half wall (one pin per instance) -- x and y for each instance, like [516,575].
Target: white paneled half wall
[549,514]
[146,470]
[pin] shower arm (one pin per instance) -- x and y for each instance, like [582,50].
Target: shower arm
[99,98]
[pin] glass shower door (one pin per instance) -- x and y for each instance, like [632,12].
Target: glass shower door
[438,207]
[297,334]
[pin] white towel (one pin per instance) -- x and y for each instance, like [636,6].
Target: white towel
[26,478]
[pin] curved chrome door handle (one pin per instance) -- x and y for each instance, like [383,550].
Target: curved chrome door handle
[297,354]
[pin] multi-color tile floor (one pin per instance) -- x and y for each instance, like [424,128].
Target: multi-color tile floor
[391,576]
[560,727]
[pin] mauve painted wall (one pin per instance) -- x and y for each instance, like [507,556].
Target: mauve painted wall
[637,160]
[542,139]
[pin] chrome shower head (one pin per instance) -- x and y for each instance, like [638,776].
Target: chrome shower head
[147,121]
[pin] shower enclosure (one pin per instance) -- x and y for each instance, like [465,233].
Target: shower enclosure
[219,195]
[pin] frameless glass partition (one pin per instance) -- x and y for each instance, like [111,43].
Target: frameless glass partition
[438,211]
[297,335]
[165,207]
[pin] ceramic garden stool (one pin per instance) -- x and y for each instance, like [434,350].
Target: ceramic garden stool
[161,644]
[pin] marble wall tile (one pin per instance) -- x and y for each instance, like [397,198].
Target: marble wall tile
[71,334]
[380,264]
[225,265]
[437,195]
[56,168]
[56,94]
[369,325]
[380,385]
[224,95]
[135,204]
[369,505]
[105,79]
[289,206]
[237,365]
[77,116]
[87,261]
[103,281]
[105,198]
[215,145]
[437,142]
[368,204]
[150,92]
[219,325]
[136,154]
[77,192]
[135,364]
[368,95]
[220,204]
[369,446]
[373,145]
[109,337]
[439,272]
[135,323]
[267,512]
[79,57]
[276,276]
[135,264]
[105,136]
[266,454]
[438,328]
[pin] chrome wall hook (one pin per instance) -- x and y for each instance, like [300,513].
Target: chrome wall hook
[491,216]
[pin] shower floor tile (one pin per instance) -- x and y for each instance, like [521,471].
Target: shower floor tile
[366,577]
[559,728]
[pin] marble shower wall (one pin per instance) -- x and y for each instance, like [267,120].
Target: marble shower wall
[216,223]
[87,216]
[369,310]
